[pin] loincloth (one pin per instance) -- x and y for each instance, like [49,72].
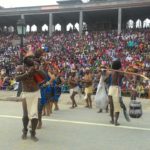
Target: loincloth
[75,89]
[32,103]
[88,90]
[115,92]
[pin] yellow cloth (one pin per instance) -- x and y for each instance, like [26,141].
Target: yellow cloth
[115,92]
[88,90]
[32,103]
[140,89]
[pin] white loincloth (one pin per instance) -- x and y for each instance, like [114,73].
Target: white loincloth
[75,89]
[32,103]
[115,92]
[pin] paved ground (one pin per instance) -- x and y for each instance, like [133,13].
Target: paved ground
[79,129]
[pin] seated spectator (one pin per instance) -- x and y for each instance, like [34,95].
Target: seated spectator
[140,90]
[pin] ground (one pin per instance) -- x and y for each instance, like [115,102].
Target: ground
[78,129]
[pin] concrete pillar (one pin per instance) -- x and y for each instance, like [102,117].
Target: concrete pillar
[80,22]
[30,27]
[1,29]
[39,28]
[50,27]
[22,16]
[119,20]
[63,27]
[15,28]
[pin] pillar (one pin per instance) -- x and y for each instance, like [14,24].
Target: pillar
[39,28]
[119,20]
[63,27]
[50,27]
[80,22]
[22,16]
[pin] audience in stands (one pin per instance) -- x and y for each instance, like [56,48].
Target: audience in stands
[68,51]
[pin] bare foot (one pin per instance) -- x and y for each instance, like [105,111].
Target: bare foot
[72,107]
[100,111]
[112,122]
[117,124]
[39,126]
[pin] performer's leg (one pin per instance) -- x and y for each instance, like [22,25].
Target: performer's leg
[75,104]
[111,109]
[51,106]
[19,89]
[107,109]
[34,123]
[89,100]
[86,98]
[116,118]
[100,110]
[44,111]
[25,119]
[39,126]
[73,100]
[56,105]
[47,109]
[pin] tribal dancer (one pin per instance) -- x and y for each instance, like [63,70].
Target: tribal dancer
[73,83]
[87,79]
[57,88]
[51,94]
[30,97]
[114,93]
[43,102]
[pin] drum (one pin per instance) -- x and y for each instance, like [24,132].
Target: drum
[135,109]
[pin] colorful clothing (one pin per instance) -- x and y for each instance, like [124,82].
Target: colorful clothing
[45,91]
[57,89]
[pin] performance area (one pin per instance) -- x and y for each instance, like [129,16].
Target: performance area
[80,128]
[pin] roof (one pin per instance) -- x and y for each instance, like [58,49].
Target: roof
[67,1]
[1,7]
[93,6]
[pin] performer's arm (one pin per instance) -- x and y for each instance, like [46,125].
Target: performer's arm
[25,75]
[22,77]
[52,77]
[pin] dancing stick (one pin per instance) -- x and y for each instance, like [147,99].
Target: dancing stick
[131,73]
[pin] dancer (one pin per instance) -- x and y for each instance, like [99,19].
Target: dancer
[43,101]
[73,83]
[114,92]
[87,79]
[57,88]
[30,97]
[51,95]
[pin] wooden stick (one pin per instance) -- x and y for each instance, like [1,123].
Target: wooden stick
[131,73]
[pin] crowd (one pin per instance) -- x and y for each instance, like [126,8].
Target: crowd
[70,51]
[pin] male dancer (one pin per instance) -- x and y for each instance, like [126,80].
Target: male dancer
[87,79]
[30,97]
[57,88]
[73,83]
[114,92]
